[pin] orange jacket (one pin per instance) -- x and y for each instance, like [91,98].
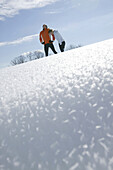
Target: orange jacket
[44,36]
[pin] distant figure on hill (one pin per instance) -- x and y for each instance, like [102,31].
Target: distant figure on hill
[46,40]
[59,38]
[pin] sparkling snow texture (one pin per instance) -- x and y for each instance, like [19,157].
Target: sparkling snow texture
[56,113]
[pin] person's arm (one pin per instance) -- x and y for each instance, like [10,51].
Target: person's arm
[53,37]
[40,37]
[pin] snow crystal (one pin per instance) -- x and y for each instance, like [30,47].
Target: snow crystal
[74,166]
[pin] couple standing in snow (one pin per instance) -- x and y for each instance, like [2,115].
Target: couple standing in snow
[45,38]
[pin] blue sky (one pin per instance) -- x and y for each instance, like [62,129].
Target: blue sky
[79,22]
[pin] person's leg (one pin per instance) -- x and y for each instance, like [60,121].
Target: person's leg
[52,48]
[62,46]
[46,49]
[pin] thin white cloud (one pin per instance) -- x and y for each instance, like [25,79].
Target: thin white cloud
[111,23]
[53,12]
[19,41]
[9,8]
[3,65]
[2,18]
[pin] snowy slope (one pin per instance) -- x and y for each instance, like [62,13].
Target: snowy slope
[56,113]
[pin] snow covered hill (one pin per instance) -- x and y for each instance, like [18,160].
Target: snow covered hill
[56,113]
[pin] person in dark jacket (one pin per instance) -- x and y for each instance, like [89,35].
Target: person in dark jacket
[46,40]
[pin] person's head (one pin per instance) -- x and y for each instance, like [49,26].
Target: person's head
[50,32]
[44,26]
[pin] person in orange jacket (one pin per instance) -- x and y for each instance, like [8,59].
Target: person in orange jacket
[46,40]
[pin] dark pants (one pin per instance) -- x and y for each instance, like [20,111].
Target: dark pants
[46,48]
[62,46]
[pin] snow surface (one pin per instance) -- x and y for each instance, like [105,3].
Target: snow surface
[56,113]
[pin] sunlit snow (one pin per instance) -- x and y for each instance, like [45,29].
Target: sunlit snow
[56,113]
